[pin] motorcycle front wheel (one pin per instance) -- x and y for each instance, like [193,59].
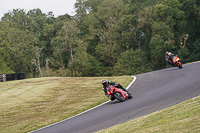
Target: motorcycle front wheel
[179,65]
[119,97]
[129,96]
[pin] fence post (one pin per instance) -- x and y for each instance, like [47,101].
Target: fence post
[4,77]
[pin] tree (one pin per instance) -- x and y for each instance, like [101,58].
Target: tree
[66,41]
[18,41]
[102,36]
[132,62]
[105,27]
[3,48]
[85,65]
[161,41]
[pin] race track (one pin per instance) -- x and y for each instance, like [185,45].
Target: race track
[151,92]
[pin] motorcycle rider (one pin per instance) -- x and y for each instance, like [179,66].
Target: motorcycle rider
[106,83]
[168,57]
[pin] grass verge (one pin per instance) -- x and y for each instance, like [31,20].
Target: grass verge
[29,104]
[180,118]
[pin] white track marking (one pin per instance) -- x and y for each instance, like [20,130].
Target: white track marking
[195,97]
[131,82]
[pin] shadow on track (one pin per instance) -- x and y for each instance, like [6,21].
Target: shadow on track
[117,102]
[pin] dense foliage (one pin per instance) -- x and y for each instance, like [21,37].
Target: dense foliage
[103,38]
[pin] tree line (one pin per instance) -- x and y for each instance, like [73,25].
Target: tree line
[103,38]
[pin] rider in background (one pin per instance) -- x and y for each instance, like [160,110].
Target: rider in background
[168,57]
[106,83]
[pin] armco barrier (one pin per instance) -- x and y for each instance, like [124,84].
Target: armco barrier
[21,75]
[15,76]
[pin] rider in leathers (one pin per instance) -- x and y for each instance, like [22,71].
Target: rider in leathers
[105,83]
[168,57]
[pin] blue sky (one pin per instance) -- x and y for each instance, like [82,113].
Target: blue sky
[58,7]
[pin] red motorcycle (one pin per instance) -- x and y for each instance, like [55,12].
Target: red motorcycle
[118,93]
[177,61]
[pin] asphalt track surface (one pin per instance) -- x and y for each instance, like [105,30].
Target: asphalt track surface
[151,92]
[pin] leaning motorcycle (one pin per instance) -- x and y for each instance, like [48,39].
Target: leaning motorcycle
[118,93]
[177,61]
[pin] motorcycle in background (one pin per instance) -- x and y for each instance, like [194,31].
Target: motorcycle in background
[177,61]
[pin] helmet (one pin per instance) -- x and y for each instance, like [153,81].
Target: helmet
[104,82]
[167,53]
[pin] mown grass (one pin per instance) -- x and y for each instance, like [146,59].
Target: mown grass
[29,104]
[180,118]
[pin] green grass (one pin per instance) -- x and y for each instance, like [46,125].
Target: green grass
[29,104]
[180,118]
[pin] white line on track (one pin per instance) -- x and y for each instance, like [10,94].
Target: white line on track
[134,79]
[191,63]
[195,97]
